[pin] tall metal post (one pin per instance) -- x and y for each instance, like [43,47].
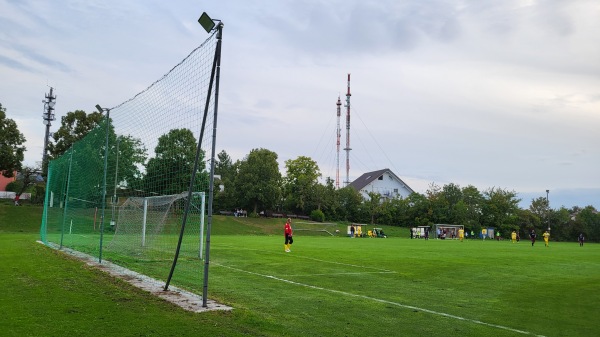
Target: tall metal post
[548,209]
[338,135]
[209,26]
[211,183]
[48,117]
[104,183]
[114,197]
[347,149]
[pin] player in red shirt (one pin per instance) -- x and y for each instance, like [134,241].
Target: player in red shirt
[288,235]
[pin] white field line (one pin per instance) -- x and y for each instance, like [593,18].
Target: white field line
[406,306]
[348,273]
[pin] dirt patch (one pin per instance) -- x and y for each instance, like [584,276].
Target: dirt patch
[185,299]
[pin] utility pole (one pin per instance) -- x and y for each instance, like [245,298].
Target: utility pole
[548,209]
[347,149]
[338,134]
[48,117]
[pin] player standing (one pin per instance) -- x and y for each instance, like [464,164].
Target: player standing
[581,239]
[461,234]
[287,230]
[513,236]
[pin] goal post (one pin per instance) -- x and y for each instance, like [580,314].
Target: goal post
[147,217]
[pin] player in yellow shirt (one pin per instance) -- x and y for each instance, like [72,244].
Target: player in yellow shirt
[513,236]
[546,238]
[461,234]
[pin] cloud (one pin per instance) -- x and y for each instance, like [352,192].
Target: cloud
[484,93]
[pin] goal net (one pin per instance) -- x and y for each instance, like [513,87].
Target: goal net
[120,192]
[142,223]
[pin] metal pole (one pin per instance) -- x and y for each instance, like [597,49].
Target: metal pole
[548,209]
[216,61]
[114,198]
[212,168]
[48,118]
[202,210]
[104,184]
[66,196]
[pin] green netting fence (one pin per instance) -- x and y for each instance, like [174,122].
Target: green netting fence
[121,192]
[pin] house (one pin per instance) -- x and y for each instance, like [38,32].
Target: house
[5,181]
[384,182]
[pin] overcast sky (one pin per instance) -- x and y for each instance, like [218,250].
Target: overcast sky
[499,94]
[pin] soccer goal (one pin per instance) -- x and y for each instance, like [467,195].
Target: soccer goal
[142,221]
[315,228]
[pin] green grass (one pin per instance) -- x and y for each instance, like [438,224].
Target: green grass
[327,286]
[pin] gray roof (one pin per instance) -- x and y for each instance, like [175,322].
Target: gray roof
[368,177]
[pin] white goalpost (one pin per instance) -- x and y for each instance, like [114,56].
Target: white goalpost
[141,219]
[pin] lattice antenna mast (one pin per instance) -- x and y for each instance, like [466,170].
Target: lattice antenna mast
[347,149]
[339,133]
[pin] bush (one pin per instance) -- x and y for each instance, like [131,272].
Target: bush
[14,186]
[317,215]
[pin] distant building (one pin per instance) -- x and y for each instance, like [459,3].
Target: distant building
[5,181]
[384,182]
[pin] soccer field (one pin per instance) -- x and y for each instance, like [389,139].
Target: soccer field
[337,286]
[334,286]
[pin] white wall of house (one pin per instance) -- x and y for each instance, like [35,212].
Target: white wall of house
[387,186]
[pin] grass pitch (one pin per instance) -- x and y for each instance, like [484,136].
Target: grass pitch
[327,286]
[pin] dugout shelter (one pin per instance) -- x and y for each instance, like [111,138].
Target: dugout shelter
[446,231]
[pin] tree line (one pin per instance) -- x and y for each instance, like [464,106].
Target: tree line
[255,183]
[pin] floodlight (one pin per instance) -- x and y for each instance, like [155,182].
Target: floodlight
[206,22]
[99,108]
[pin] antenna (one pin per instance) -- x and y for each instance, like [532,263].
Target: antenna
[347,149]
[339,132]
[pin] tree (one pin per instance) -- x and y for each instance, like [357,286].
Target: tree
[561,225]
[473,201]
[74,126]
[258,182]
[227,170]
[588,223]
[11,145]
[224,166]
[126,155]
[419,210]
[350,204]
[28,176]
[373,205]
[452,196]
[500,209]
[324,198]
[170,171]
[438,205]
[301,178]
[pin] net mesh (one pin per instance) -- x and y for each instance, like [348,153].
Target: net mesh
[152,144]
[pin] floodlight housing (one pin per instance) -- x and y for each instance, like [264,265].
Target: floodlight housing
[99,108]
[206,22]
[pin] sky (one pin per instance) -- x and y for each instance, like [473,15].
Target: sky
[494,94]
